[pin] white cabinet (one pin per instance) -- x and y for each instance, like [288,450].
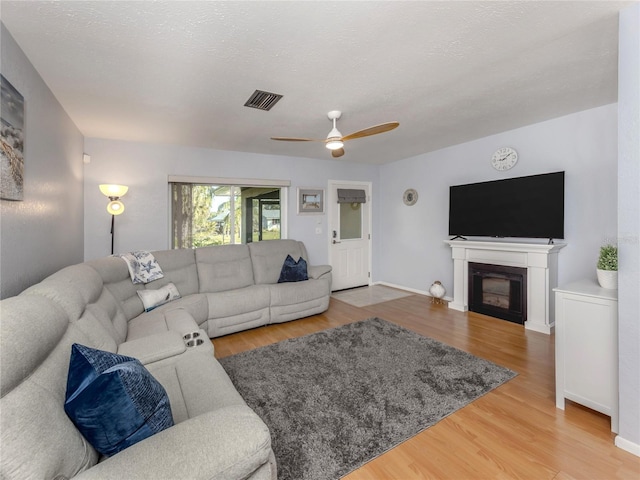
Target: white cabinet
[587,347]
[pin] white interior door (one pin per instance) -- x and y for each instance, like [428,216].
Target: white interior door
[350,236]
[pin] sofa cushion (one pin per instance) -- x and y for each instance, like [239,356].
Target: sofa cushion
[113,400]
[195,304]
[82,278]
[179,268]
[196,383]
[225,444]
[293,271]
[30,329]
[111,315]
[269,255]
[160,320]
[115,275]
[224,267]
[63,294]
[154,298]
[238,301]
[37,438]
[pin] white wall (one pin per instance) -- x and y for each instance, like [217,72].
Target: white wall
[584,145]
[146,167]
[629,228]
[44,232]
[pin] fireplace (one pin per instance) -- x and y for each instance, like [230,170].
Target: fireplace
[499,291]
[540,260]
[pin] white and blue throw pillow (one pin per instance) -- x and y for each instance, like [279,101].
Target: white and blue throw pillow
[293,271]
[143,266]
[154,298]
[113,400]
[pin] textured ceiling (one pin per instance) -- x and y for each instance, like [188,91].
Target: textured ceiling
[180,72]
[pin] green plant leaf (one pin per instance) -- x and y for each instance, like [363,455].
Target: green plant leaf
[608,259]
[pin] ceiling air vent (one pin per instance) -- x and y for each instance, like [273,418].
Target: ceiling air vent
[262,100]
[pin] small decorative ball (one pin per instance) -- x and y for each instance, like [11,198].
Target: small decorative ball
[437,291]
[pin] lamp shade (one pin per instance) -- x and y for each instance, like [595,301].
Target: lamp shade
[115,207]
[334,143]
[113,190]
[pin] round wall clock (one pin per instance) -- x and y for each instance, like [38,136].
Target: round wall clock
[504,158]
[410,197]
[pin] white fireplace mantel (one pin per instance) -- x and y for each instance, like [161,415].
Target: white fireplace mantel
[540,260]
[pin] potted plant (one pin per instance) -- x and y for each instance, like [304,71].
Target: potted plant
[607,268]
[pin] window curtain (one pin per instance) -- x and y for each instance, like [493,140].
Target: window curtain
[182,215]
[351,195]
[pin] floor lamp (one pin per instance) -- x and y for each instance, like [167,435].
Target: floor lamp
[115,206]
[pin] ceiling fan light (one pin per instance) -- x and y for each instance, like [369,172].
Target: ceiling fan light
[334,143]
[334,139]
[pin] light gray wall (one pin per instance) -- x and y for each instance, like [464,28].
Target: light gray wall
[43,233]
[145,169]
[584,145]
[629,225]
[408,248]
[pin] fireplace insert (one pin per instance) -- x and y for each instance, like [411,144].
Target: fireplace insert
[498,291]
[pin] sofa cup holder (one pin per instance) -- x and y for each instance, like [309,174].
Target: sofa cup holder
[193,339]
[191,335]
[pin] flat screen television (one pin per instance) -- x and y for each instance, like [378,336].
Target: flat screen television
[524,207]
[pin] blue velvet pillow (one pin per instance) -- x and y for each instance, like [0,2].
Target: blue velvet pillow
[293,271]
[113,400]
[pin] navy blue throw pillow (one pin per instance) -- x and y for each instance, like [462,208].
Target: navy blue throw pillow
[113,400]
[293,271]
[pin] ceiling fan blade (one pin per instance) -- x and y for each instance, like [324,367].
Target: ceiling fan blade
[337,153]
[383,127]
[294,139]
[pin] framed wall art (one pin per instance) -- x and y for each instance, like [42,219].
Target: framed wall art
[310,200]
[11,142]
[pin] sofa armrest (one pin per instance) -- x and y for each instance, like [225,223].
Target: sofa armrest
[226,444]
[317,271]
[154,347]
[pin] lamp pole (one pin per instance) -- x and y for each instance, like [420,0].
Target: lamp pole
[113,223]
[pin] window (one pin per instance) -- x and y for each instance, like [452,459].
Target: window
[214,214]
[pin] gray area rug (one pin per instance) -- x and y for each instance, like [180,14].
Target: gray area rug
[337,399]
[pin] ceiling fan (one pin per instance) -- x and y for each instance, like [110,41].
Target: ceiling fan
[335,140]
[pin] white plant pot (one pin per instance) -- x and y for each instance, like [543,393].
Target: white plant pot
[607,278]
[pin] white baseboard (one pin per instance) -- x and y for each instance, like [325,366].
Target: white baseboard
[628,446]
[409,289]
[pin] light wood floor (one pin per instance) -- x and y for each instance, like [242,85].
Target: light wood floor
[515,431]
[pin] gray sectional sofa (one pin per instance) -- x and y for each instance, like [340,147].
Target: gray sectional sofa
[224,289]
